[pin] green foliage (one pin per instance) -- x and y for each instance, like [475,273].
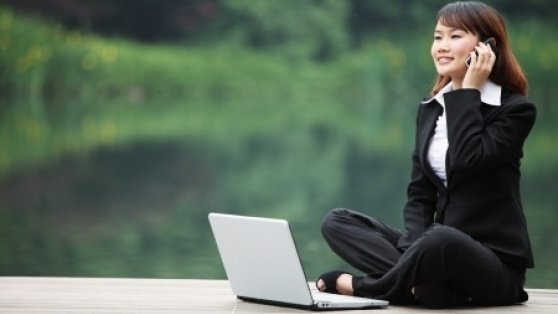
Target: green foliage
[112,152]
[32,55]
[292,28]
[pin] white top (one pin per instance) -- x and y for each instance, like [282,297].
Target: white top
[438,146]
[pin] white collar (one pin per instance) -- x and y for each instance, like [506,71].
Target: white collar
[491,94]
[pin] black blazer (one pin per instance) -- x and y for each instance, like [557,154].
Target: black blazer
[482,197]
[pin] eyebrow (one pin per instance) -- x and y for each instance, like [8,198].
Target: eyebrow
[453,29]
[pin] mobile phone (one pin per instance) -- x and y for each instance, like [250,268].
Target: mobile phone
[489,41]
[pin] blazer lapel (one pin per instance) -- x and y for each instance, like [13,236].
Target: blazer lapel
[427,122]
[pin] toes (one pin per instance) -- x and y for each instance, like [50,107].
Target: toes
[320,285]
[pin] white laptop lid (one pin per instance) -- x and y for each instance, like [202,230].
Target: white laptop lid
[260,258]
[263,265]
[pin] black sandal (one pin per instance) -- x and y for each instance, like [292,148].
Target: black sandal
[330,281]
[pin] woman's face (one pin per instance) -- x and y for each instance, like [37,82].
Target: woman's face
[450,49]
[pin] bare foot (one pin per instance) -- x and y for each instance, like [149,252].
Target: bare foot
[344,284]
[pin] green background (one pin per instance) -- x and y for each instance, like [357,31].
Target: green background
[123,124]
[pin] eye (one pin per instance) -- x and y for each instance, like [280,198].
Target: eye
[437,37]
[455,36]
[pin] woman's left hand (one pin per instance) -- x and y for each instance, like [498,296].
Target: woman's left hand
[480,67]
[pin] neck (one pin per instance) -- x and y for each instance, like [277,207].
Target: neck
[457,83]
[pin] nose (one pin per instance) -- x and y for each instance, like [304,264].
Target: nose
[440,45]
[443,47]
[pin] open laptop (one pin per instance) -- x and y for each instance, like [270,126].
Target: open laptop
[262,265]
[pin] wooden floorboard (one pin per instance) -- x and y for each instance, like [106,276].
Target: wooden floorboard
[115,295]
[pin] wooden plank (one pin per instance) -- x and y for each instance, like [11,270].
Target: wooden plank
[122,295]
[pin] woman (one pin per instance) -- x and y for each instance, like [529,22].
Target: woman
[466,239]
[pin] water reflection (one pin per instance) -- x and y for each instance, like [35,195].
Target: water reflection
[140,210]
[126,211]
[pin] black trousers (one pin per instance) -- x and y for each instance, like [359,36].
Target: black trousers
[471,273]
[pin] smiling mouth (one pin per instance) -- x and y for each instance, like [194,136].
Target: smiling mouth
[444,60]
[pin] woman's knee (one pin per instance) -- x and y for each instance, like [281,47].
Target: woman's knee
[332,220]
[440,237]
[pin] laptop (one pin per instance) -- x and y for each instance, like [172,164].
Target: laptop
[263,265]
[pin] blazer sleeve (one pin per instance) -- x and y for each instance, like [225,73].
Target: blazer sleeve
[478,142]
[421,200]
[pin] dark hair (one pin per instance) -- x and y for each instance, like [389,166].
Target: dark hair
[484,21]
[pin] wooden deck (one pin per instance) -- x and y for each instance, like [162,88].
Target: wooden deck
[113,295]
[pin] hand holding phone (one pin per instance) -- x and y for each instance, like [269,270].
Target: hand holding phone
[491,42]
